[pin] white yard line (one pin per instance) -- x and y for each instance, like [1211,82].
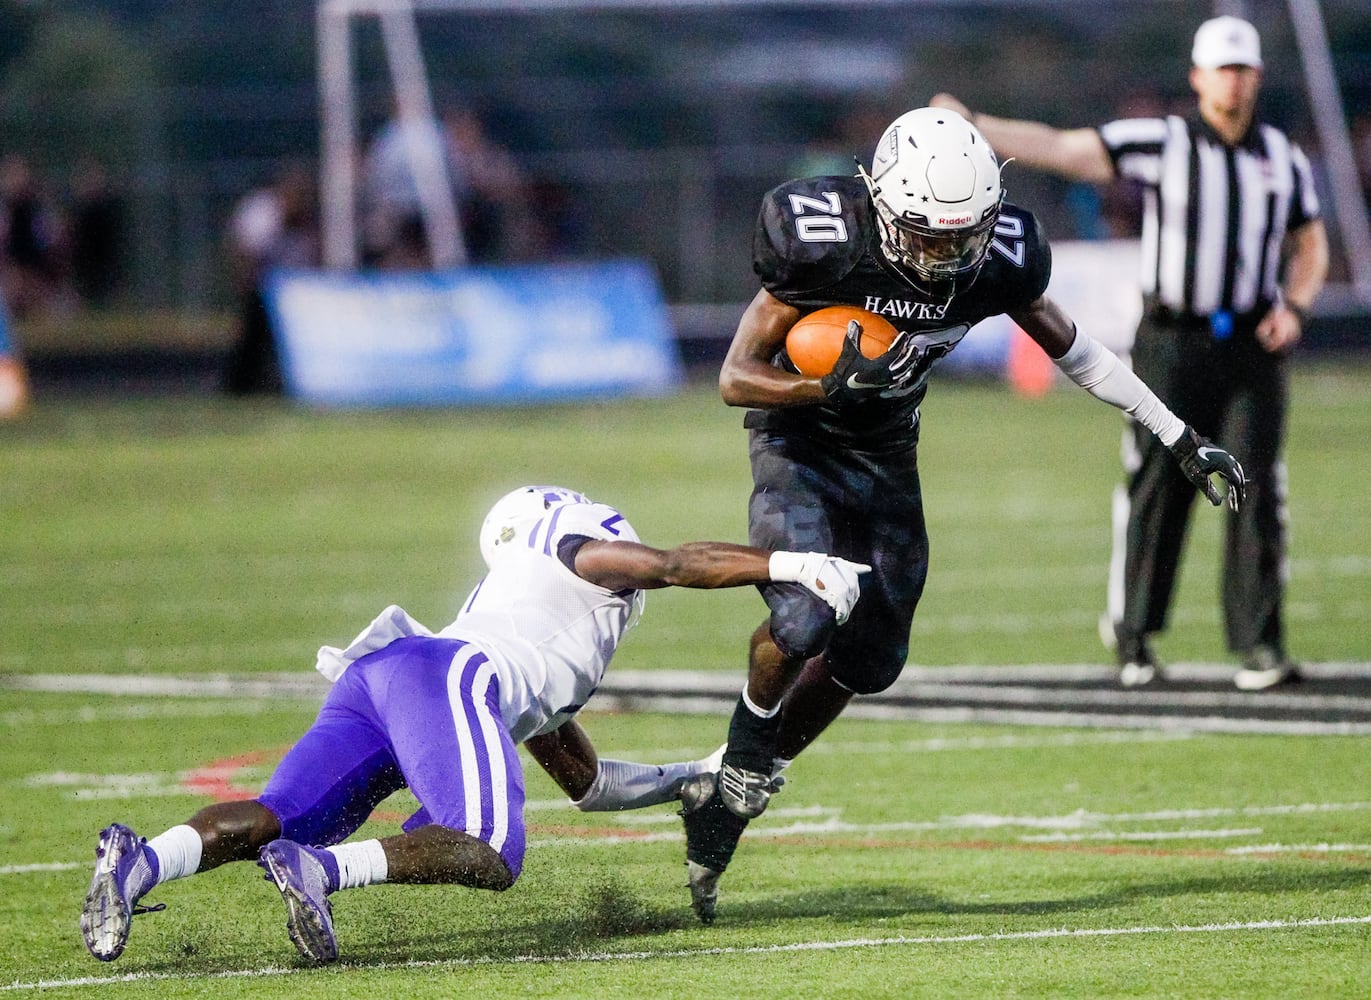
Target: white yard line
[47,866]
[1028,695]
[1140,835]
[817,820]
[296,684]
[142,711]
[1213,724]
[1078,820]
[1300,849]
[837,944]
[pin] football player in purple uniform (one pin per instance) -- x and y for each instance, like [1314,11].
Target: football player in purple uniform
[927,241]
[443,714]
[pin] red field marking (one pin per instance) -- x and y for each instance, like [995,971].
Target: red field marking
[217,779]
[220,780]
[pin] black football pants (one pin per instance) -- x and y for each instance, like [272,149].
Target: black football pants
[811,497]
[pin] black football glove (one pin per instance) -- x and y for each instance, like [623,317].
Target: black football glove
[1199,458]
[855,376]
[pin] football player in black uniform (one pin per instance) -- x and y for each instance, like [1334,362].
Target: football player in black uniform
[925,240]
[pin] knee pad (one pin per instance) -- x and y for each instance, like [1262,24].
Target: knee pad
[801,624]
[866,668]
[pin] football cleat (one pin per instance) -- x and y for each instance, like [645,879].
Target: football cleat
[704,891]
[122,876]
[712,834]
[1135,675]
[697,790]
[746,793]
[303,883]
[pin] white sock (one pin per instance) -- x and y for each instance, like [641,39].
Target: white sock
[760,713]
[360,863]
[177,851]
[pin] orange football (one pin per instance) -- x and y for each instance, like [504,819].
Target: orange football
[815,341]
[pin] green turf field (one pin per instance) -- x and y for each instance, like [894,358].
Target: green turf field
[192,538]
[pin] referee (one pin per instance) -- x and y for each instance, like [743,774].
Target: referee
[1233,254]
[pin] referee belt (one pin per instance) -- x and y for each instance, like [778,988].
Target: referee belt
[1181,319]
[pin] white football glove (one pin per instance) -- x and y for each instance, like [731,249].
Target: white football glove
[832,580]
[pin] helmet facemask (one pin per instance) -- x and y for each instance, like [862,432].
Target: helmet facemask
[935,255]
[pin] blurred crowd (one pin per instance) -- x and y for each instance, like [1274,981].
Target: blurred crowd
[276,224]
[60,247]
[65,239]
[494,198]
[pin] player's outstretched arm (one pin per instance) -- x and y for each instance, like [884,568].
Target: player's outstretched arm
[597,784]
[1096,369]
[709,565]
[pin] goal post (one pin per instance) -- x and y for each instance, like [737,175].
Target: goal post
[338,143]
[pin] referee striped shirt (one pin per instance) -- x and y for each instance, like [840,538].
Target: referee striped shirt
[1214,216]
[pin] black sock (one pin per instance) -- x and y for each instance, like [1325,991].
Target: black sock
[712,834]
[751,739]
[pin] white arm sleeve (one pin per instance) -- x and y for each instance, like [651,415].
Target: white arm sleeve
[1095,369]
[621,784]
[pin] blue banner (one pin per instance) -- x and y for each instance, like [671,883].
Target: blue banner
[538,333]
[7,349]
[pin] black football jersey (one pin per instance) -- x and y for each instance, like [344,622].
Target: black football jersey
[817,244]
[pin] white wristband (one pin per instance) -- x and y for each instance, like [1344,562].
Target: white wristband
[787,567]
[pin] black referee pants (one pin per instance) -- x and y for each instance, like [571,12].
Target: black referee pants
[1236,394]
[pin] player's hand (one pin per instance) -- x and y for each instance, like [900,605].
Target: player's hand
[951,103]
[834,581]
[855,376]
[1200,458]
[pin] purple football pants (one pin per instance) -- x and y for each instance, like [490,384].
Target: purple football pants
[424,713]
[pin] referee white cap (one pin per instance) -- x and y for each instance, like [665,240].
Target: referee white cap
[1226,41]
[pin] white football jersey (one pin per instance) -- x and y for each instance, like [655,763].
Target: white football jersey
[549,633]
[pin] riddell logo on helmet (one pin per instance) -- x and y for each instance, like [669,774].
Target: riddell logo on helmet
[954,220]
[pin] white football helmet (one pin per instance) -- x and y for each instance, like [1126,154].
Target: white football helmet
[515,512]
[935,183]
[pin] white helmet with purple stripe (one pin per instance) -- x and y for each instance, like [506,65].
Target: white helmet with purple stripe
[517,511]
